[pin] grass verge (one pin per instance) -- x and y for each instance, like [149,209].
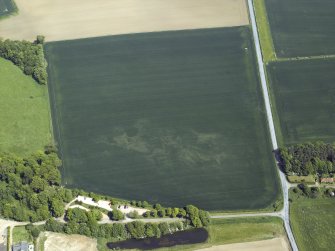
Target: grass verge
[8,239]
[264,31]
[41,242]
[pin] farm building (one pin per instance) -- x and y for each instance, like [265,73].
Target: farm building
[327,180]
[23,246]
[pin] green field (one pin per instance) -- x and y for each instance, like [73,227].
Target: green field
[313,222]
[226,231]
[302,27]
[7,7]
[304,95]
[169,117]
[20,234]
[25,114]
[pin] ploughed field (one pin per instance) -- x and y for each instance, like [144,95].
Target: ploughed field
[175,117]
[73,19]
[304,96]
[302,27]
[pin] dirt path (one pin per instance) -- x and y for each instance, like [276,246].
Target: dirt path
[276,244]
[71,19]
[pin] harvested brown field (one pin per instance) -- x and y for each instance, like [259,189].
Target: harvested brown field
[61,242]
[276,244]
[72,19]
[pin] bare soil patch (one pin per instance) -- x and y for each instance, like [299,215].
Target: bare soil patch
[61,242]
[72,19]
[276,244]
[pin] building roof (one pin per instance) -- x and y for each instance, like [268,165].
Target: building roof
[22,246]
[327,180]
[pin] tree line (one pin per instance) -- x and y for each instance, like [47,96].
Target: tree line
[309,158]
[79,221]
[29,57]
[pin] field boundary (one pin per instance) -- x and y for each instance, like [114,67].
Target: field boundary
[54,117]
[264,31]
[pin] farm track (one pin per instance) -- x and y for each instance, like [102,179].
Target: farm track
[284,183]
[304,58]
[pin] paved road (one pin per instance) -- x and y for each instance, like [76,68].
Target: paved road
[284,183]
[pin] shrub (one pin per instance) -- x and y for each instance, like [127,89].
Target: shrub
[153,213]
[116,215]
[133,215]
[40,39]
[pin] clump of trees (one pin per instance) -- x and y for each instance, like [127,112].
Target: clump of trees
[30,187]
[29,57]
[313,191]
[309,158]
[116,215]
[143,204]
[305,190]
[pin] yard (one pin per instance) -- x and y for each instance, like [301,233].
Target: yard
[304,94]
[25,114]
[302,27]
[170,117]
[313,223]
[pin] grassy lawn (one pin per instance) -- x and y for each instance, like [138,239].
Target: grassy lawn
[25,116]
[310,179]
[313,223]
[304,94]
[20,234]
[264,31]
[226,231]
[152,116]
[7,7]
[302,28]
